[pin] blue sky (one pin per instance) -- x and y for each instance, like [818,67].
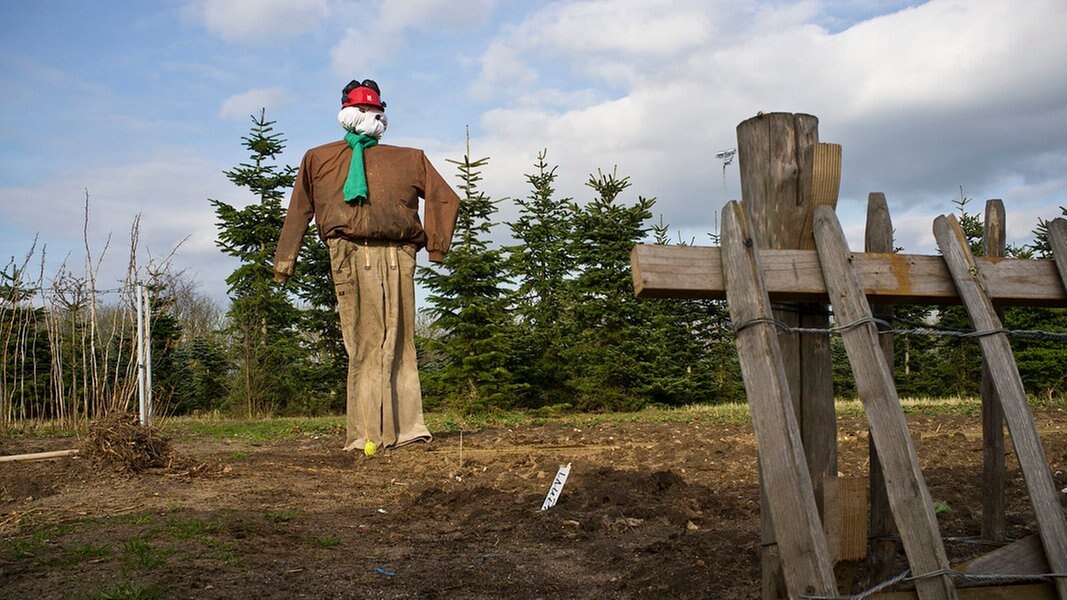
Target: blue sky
[142,104]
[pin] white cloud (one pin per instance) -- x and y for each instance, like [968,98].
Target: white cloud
[360,51]
[380,29]
[258,20]
[432,14]
[239,106]
[171,197]
[616,41]
[923,100]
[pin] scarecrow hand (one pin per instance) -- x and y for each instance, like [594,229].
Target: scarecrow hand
[280,278]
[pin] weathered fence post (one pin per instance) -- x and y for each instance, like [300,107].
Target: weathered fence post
[908,495]
[786,486]
[996,350]
[878,237]
[775,153]
[993,470]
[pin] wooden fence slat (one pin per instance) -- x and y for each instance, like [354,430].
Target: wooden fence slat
[1057,238]
[1005,374]
[818,419]
[794,275]
[786,482]
[994,473]
[825,186]
[908,494]
[878,237]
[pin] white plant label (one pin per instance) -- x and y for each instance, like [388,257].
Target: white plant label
[557,486]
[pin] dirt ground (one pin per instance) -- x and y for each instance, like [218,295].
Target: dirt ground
[665,510]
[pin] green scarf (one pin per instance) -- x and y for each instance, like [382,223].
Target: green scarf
[356,184]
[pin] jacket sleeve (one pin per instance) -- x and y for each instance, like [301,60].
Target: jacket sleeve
[442,208]
[301,210]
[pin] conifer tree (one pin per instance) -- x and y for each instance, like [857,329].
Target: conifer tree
[261,315]
[1042,363]
[469,306]
[608,325]
[690,348]
[540,264]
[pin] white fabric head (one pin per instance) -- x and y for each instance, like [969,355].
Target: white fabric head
[368,121]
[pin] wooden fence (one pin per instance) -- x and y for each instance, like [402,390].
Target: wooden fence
[784,244]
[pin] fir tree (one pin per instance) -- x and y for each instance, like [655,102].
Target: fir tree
[690,349]
[609,327]
[261,315]
[469,305]
[540,264]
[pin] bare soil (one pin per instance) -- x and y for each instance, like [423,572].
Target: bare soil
[650,510]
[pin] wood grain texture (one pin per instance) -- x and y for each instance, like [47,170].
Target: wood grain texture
[1009,386]
[774,156]
[994,474]
[854,508]
[878,238]
[825,186]
[1024,556]
[795,275]
[785,480]
[909,497]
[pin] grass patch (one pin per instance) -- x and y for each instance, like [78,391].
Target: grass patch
[255,430]
[226,552]
[281,516]
[38,429]
[191,529]
[21,548]
[128,590]
[281,428]
[136,519]
[325,541]
[39,542]
[139,553]
[79,553]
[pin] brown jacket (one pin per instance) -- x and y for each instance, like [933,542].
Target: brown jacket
[396,177]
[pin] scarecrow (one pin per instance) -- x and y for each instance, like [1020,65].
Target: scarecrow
[364,197]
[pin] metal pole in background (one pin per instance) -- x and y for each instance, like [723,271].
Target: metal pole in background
[139,296]
[147,420]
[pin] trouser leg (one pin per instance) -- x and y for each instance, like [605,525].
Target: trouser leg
[376,300]
[407,393]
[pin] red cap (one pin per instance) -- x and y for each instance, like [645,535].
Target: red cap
[363,96]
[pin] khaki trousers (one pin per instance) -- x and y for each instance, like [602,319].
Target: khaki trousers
[375,287]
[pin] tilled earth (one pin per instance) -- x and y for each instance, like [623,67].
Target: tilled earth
[666,510]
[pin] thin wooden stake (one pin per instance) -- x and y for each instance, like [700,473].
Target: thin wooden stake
[1057,238]
[994,473]
[38,455]
[878,237]
[1009,386]
[908,495]
[786,482]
